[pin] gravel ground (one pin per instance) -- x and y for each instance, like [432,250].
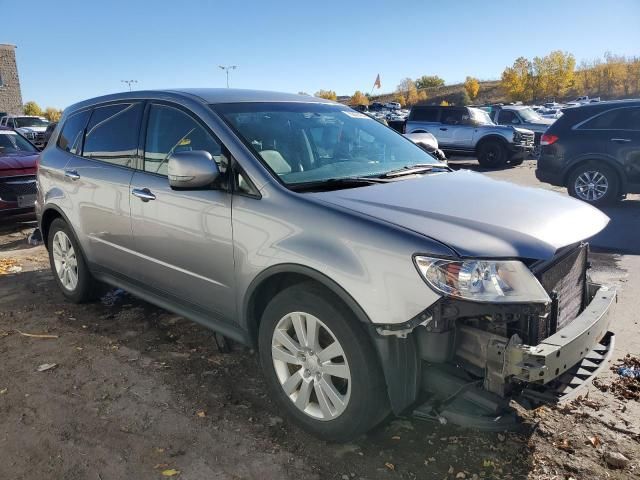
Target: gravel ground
[136,392]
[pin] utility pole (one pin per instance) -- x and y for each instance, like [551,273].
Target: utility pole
[226,68]
[129,82]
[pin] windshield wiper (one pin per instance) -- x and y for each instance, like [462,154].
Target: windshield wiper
[414,169]
[336,183]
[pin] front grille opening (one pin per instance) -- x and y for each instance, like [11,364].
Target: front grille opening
[566,283]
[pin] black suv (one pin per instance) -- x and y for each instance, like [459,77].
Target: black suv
[594,151]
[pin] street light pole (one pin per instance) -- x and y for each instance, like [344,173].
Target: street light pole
[129,82]
[226,68]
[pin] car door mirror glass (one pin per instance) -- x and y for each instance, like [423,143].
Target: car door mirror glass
[191,170]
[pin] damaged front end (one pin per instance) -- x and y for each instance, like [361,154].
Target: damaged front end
[483,354]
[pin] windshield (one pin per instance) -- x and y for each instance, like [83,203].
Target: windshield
[30,122]
[529,115]
[13,143]
[480,116]
[313,142]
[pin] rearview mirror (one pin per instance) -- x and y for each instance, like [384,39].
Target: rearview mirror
[195,169]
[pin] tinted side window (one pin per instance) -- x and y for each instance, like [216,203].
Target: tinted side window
[506,117]
[454,116]
[112,134]
[425,115]
[618,119]
[70,139]
[169,131]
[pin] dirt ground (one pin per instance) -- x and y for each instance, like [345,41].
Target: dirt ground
[134,392]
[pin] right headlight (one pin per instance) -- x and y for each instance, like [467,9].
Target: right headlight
[479,280]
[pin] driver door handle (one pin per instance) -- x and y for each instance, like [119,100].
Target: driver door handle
[620,140]
[443,129]
[72,174]
[143,194]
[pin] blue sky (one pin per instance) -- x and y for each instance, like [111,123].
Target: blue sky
[69,50]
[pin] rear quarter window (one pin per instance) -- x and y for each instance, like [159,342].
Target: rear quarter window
[616,119]
[112,134]
[70,139]
[424,114]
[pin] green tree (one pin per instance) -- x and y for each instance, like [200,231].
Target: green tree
[359,98]
[472,86]
[400,98]
[407,88]
[32,108]
[52,114]
[460,98]
[328,94]
[429,81]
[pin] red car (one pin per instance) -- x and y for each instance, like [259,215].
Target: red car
[18,160]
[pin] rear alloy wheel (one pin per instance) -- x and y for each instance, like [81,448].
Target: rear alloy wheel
[68,264]
[595,184]
[320,365]
[492,154]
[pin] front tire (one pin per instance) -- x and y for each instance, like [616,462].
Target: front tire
[319,364]
[594,183]
[68,264]
[492,154]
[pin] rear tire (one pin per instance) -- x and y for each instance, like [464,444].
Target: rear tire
[492,154]
[594,183]
[335,396]
[68,264]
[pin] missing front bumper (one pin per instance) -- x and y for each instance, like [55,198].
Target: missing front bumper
[509,362]
[568,347]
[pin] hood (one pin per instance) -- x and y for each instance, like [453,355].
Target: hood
[31,129]
[18,161]
[542,121]
[476,215]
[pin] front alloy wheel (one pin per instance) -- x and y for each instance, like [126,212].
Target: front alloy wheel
[311,366]
[320,365]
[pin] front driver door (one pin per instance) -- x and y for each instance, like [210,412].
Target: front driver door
[183,238]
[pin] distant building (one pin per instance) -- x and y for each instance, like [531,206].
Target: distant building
[10,95]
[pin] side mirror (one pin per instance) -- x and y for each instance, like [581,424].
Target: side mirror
[195,169]
[515,121]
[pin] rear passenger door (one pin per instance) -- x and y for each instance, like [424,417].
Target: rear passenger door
[97,182]
[183,238]
[617,132]
[624,142]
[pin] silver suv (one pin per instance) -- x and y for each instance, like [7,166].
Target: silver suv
[366,274]
[470,131]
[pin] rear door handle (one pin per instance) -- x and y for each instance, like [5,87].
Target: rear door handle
[621,140]
[143,194]
[72,174]
[444,129]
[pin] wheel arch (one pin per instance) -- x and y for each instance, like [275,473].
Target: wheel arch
[50,213]
[278,277]
[492,137]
